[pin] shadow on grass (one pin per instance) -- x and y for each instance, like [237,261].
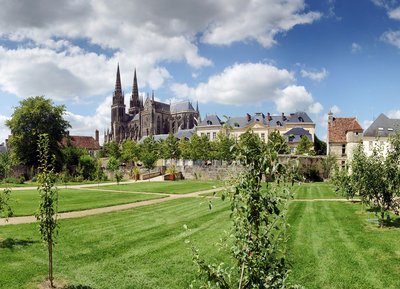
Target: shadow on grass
[10,243]
[392,222]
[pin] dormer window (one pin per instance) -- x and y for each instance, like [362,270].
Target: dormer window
[278,123]
[209,122]
[390,129]
[300,119]
[236,124]
[380,128]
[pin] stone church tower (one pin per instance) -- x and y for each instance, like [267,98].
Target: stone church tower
[148,117]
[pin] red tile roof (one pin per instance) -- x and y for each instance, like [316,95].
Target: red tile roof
[84,142]
[339,126]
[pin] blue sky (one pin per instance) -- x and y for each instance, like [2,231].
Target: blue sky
[233,57]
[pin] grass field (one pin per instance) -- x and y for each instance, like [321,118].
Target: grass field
[314,191]
[176,187]
[332,245]
[27,202]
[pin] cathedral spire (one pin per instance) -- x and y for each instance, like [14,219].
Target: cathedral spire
[118,88]
[197,106]
[134,104]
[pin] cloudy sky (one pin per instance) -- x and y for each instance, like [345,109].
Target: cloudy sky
[232,56]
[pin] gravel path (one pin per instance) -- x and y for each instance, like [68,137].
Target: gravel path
[91,212]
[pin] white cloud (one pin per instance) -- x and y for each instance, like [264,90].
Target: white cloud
[394,14]
[392,37]
[355,48]
[394,114]
[253,83]
[4,130]
[314,75]
[335,109]
[86,125]
[143,34]
[257,20]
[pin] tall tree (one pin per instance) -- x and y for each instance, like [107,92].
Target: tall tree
[319,146]
[149,152]
[33,117]
[5,164]
[113,149]
[223,146]
[199,147]
[47,214]
[305,146]
[130,151]
[278,143]
[171,148]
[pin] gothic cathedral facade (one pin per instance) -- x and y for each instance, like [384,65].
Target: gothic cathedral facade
[147,117]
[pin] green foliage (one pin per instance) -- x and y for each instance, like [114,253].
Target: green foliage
[199,147]
[149,152]
[319,146]
[87,167]
[113,164]
[130,151]
[71,156]
[375,178]
[36,116]
[5,164]
[113,149]
[170,148]
[5,209]
[259,223]
[329,165]
[278,143]
[118,177]
[47,214]
[184,147]
[305,146]
[223,146]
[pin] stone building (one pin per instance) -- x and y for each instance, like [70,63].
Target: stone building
[344,134]
[291,126]
[147,117]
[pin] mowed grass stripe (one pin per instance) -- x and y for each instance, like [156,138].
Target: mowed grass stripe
[140,248]
[176,187]
[25,203]
[330,248]
[314,191]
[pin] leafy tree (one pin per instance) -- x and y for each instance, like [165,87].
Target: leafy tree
[171,148]
[149,152]
[130,151]
[5,209]
[259,223]
[305,146]
[329,164]
[319,146]
[278,143]
[223,146]
[36,116]
[47,214]
[113,165]
[184,147]
[113,149]
[5,164]
[199,147]
[71,156]
[375,178]
[87,167]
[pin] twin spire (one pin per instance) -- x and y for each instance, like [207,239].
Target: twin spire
[135,102]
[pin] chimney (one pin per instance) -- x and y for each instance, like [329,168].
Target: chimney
[248,117]
[283,116]
[330,117]
[269,118]
[96,133]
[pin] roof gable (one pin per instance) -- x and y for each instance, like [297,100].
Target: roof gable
[339,126]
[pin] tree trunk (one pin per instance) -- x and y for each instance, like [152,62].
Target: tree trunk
[382,217]
[50,249]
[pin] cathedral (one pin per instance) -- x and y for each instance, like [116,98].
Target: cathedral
[147,117]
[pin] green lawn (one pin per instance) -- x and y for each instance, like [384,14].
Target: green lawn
[314,191]
[335,245]
[176,187]
[27,202]
[332,245]
[140,248]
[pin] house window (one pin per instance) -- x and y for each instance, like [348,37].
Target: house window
[343,164]
[208,135]
[343,149]
[202,133]
[263,136]
[214,135]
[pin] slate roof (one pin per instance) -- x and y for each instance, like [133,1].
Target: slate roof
[339,126]
[182,133]
[271,120]
[181,107]
[383,127]
[162,106]
[211,119]
[294,135]
[84,142]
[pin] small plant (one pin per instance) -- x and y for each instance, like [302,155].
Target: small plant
[172,171]
[136,173]
[118,177]
[4,203]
